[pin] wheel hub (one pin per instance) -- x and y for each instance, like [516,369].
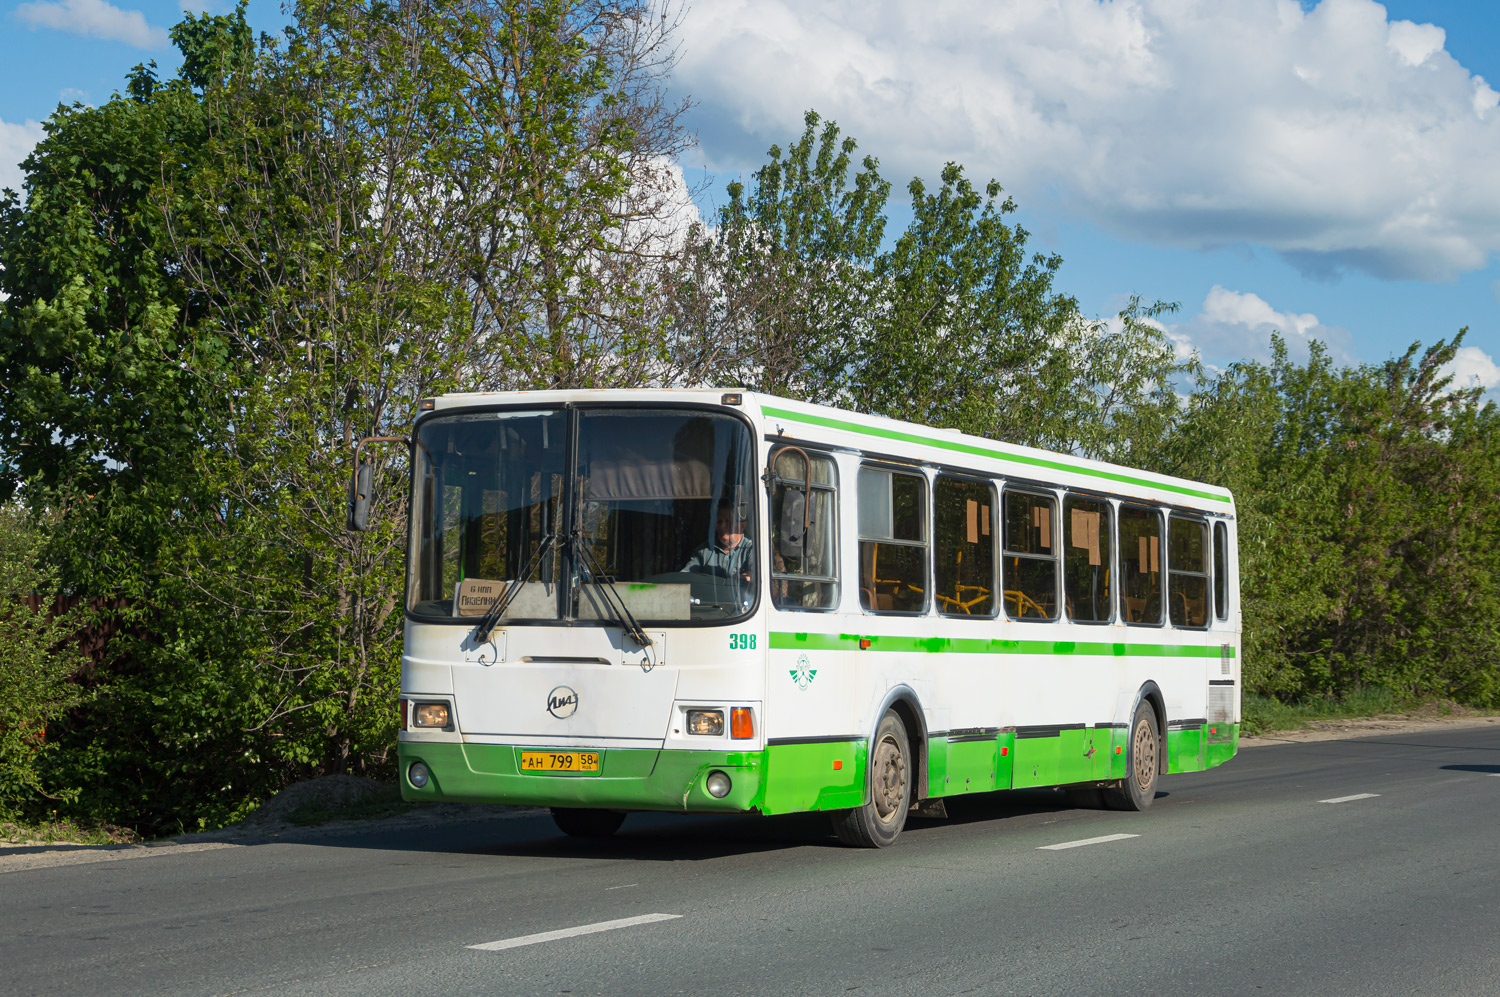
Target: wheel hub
[890,778]
[1143,751]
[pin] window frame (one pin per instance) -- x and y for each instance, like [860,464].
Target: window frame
[925,519]
[1155,510]
[1221,570]
[1110,504]
[571,409]
[836,580]
[997,595]
[1206,574]
[1036,491]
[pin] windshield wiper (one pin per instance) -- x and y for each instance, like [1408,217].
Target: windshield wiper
[584,555]
[503,600]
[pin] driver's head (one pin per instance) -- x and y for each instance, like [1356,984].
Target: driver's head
[729,525]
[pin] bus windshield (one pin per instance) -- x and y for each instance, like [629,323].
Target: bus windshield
[656,503]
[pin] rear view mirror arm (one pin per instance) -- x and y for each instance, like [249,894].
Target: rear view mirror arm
[362,483]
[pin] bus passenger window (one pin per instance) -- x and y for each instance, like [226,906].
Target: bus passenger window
[1187,565]
[1140,563]
[1221,571]
[1086,563]
[1030,556]
[804,565]
[892,541]
[964,547]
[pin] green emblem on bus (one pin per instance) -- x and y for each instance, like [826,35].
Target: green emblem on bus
[802,674]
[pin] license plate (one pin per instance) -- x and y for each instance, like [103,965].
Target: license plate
[559,761]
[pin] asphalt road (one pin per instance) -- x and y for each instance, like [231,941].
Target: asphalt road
[1264,876]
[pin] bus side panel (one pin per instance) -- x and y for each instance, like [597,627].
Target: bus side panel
[1185,749]
[826,775]
[964,765]
[1223,742]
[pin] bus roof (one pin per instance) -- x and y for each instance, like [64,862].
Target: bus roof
[795,421]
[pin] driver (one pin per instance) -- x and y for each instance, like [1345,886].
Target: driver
[730,555]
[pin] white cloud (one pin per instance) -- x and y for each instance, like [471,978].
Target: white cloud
[1232,326]
[16,143]
[1415,43]
[1335,136]
[1471,367]
[94,19]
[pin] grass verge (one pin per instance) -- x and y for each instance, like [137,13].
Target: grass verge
[1261,714]
[52,832]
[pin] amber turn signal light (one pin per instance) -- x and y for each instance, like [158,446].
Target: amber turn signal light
[741,723]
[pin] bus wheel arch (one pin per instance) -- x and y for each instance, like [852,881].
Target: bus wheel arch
[1152,694]
[903,702]
[895,775]
[1145,754]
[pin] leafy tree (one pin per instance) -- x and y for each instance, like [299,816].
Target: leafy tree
[562,166]
[37,661]
[277,253]
[404,200]
[953,324]
[110,388]
[1369,518]
[768,299]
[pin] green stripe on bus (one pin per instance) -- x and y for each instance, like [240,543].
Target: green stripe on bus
[979,645]
[960,447]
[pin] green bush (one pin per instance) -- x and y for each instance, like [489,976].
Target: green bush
[37,660]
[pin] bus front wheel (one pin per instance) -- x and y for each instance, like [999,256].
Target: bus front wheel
[878,822]
[1142,763]
[581,822]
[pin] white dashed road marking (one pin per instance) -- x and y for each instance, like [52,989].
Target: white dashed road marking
[584,929]
[1346,799]
[1086,841]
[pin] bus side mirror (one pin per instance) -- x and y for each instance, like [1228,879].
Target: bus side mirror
[361,487]
[791,538]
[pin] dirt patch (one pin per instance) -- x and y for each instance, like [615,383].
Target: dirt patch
[1430,717]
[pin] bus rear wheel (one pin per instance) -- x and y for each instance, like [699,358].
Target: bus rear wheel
[878,822]
[582,822]
[1142,764]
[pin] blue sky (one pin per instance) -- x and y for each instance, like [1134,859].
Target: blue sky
[1323,169]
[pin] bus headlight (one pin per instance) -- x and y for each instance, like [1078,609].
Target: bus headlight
[710,722]
[430,715]
[418,775]
[717,784]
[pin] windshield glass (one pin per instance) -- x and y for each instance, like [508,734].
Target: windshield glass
[663,511]
[489,489]
[666,508]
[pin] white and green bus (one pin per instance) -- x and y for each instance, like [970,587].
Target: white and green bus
[722,602]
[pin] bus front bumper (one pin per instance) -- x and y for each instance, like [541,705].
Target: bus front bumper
[644,778]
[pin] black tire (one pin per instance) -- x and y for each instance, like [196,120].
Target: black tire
[1142,764]
[879,821]
[580,822]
